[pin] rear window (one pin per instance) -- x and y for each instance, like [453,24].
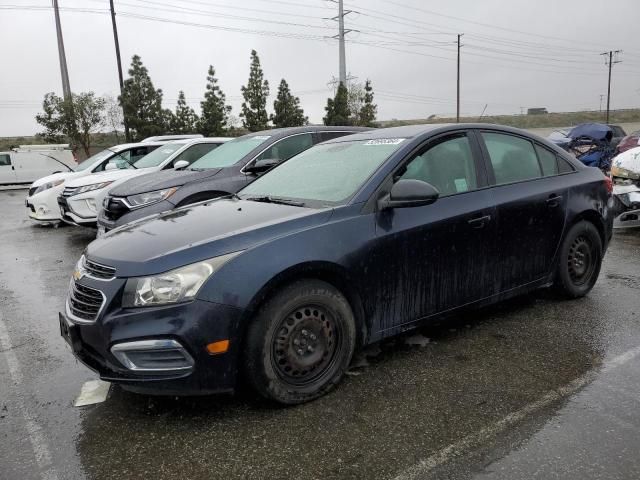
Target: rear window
[513,158]
[5,159]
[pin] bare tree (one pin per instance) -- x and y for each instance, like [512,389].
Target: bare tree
[113,115]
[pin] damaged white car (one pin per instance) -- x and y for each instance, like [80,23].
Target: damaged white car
[625,170]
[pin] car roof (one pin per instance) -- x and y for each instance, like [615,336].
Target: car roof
[414,131]
[283,132]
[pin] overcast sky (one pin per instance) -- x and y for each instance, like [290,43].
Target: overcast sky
[515,53]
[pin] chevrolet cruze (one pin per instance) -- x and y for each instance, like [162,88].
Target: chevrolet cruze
[349,242]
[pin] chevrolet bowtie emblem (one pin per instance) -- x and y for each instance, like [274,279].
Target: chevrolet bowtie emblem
[78,274]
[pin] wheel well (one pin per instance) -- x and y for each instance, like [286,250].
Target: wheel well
[594,218]
[332,274]
[201,196]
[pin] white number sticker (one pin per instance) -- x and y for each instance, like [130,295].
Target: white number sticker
[385,141]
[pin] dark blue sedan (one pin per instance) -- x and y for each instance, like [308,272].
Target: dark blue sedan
[349,242]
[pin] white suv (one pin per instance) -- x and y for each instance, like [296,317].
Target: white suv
[42,200]
[81,198]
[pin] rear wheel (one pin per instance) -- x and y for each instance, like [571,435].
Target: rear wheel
[301,342]
[580,260]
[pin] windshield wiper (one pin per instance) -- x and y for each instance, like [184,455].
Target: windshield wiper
[269,199]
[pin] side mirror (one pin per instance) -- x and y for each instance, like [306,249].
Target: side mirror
[409,193]
[180,165]
[262,166]
[111,166]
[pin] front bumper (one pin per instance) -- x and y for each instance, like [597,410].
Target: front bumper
[43,206]
[191,325]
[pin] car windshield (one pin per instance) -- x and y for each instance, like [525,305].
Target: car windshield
[93,159]
[158,156]
[229,153]
[327,174]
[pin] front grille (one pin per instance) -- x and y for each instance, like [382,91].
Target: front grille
[32,190]
[84,302]
[69,191]
[97,270]
[114,208]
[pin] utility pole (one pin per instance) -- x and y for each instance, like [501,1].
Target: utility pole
[458,82]
[115,39]
[342,67]
[601,97]
[66,88]
[610,61]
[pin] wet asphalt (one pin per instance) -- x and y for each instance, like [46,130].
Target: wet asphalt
[536,387]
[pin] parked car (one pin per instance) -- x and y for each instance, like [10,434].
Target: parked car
[42,200]
[220,172]
[27,163]
[625,172]
[349,242]
[81,198]
[618,135]
[630,141]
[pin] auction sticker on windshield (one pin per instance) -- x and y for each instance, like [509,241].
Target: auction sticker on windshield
[385,141]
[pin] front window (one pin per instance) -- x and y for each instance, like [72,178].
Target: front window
[287,147]
[326,174]
[229,153]
[448,166]
[158,156]
[195,152]
[94,159]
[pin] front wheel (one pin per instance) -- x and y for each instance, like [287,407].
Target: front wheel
[301,342]
[580,260]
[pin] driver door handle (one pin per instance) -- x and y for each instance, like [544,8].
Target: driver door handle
[479,222]
[554,200]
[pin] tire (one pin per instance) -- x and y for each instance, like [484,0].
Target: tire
[579,261]
[300,343]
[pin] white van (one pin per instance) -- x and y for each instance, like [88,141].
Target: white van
[28,163]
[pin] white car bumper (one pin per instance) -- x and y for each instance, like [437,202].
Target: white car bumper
[82,209]
[43,206]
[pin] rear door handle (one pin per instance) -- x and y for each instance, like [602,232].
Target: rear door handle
[554,200]
[479,222]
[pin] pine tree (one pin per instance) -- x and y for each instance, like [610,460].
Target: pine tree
[288,112]
[215,113]
[185,118]
[338,108]
[254,108]
[141,102]
[369,110]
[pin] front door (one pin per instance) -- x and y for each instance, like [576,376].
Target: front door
[531,201]
[436,257]
[7,170]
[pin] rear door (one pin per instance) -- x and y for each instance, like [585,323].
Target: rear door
[7,169]
[531,199]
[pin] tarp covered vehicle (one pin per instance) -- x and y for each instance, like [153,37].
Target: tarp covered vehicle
[591,144]
[625,171]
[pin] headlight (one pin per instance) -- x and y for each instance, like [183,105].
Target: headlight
[179,285]
[148,198]
[48,185]
[93,186]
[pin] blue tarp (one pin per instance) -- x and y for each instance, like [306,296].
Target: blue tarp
[596,131]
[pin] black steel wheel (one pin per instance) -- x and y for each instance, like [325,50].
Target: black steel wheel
[301,342]
[580,260]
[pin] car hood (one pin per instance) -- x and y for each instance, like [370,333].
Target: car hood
[108,176]
[161,180]
[56,176]
[186,235]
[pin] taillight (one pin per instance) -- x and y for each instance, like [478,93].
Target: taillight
[608,182]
